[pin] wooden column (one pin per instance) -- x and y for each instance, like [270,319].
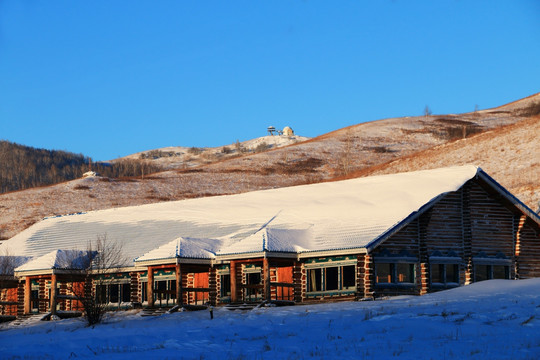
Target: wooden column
[212,284]
[27,295]
[368,276]
[232,272]
[150,287]
[53,293]
[467,233]
[266,280]
[179,287]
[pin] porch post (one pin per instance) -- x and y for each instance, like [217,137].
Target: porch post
[266,282]
[150,287]
[53,293]
[179,289]
[232,272]
[27,295]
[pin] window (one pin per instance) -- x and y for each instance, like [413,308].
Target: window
[394,273]
[253,278]
[444,274]
[225,281]
[495,267]
[113,293]
[394,269]
[332,278]
[488,272]
[315,279]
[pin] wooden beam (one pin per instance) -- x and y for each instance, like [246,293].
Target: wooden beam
[53,293]
[150,287]
[27,295]
[266,281]
[232,269]
[179,289]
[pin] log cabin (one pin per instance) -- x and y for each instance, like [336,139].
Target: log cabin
[409,233]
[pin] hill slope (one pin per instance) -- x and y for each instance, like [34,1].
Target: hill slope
[360,149]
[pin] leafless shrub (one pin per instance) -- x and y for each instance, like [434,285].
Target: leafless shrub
[195,150]
[81,187]
[262,147]
[86,271]
[531,110]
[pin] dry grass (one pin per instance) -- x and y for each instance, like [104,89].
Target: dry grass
[507,149]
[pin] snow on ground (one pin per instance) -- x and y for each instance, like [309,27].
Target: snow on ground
[497,319]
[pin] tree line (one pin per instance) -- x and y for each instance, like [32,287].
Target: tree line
[23,167]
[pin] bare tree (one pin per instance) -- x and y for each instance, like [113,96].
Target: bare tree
[86,270]
[427,111]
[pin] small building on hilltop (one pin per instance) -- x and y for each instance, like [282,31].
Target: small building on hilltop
[409,233]
[287,131]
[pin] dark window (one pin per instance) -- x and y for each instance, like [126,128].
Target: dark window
[253,278]
[488,272]
[349,276]
[126,295]
[444,273]
[384,273]
[35,299]
[437,273]
[144,286]
[114,290]
[482,272]
[405,273]
[500,272]
[315,279]
[172,288]
[332,282]
[394,273]
[225,285]
[101,294]
[452,273]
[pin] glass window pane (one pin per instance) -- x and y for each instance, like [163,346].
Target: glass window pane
[253,278]
[349,277]
[452,273]
[405,273]
[500,272]
[384,273]
[225,285]
[315,279]
[437,271]
[481,272]
[101,294]
[332,282]
[113,293]
[172,288]
[126,296]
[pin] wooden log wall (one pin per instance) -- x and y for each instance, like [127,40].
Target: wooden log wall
[492,224]
[529,250]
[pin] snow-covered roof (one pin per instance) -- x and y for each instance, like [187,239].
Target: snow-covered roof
[319,217]
[57,259]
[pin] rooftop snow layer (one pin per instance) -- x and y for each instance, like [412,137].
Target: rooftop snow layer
[326,216]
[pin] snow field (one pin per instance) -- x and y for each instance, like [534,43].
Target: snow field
[495,319]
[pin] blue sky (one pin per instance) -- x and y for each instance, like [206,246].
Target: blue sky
[110,78]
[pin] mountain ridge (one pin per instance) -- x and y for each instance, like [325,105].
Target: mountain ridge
[358,150]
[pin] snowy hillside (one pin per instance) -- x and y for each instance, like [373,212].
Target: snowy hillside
[178,157]
[496,319]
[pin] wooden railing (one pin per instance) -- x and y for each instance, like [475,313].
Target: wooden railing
[251,293]
[284,291]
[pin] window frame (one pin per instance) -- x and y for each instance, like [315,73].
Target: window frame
[386,258]
[490,262]
[452,259]
[320,269]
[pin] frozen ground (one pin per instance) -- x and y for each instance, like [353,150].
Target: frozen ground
[497,319]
